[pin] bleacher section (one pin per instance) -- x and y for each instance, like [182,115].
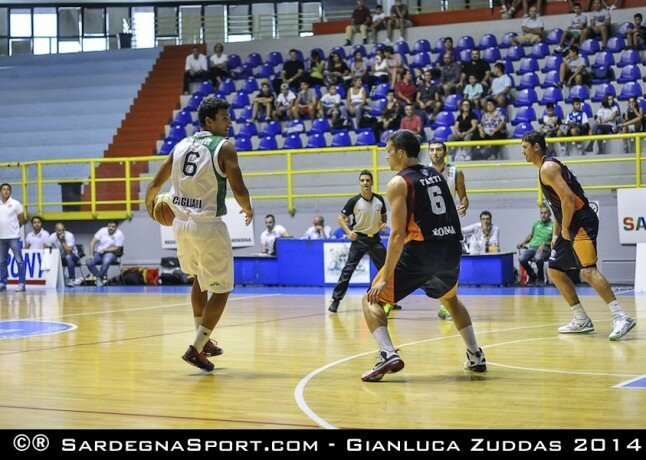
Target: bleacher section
[66,106]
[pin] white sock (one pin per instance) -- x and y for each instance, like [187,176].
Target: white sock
[198,321]
[382,337]
[201,338]
[469,337]
[579,312]
[616,309]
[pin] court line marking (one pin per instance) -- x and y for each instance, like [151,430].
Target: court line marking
[71,328]
[300,388]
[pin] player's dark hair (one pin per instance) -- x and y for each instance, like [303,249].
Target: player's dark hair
[638,15]
[35,216]
[365,172]
[209,107]
[407,141]
[534,137]
[437,141]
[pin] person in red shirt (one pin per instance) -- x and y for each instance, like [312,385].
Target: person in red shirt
[360,21]
[405,89]
[413,122]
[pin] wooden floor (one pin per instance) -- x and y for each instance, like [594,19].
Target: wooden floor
[288,363]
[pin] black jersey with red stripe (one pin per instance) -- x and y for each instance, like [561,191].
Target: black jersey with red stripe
[431,211]
[580,200]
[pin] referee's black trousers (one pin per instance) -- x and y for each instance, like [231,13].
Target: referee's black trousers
[362,245]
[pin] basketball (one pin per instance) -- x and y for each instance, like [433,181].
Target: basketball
[162,211]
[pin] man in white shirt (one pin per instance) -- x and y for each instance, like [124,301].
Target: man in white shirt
[269,235]
[12,217]
[284,102]
[37,238]
[484,236]
[532,29]
[105,246]
[65,242]
[195,68]
[318,231]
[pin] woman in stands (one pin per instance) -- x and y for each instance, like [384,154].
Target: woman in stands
[218,65]
[337,70]
[634,121]
[466,125]
[392,113]
[492,126]
[379,69]
[357,100]
[607,119]
[315,68]
[359,67]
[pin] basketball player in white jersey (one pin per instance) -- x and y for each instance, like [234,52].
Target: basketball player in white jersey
[455,180]
[199,167]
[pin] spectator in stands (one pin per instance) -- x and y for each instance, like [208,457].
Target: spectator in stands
[106,246]
[448,48]
[450,74]
[379,69]
[292,73]
[395,64]
[64,241]
[576,124]
[607,5]
[263,104]
[492,126]
[357,100]
[359,67]
[599,24]
[466,124]
[37,238]
[331,105]
[634,121]
[379,22]
[578,23]
[12,217]
[405,89]
[574,70]
[218,65]
[399,17]
[315,67]
[337,70]
[636,36]
[269,235]
[392,113]
[195,68]
[318,231]
[607,118]
[305,103]
[473,91]
[537,247]
[284,102]
[532,28]
[500,85]
[360,22]
[483,236]
[478,67]
[550,122]
[509,8]
[428,96]
[413,122]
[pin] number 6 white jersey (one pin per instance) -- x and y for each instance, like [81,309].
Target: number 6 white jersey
[199,185]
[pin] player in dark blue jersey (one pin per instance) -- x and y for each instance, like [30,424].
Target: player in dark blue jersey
[424,251]
[574,243]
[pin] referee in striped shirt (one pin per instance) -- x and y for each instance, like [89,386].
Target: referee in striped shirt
[361,219]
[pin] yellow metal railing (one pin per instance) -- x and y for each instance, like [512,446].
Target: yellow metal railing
[33,176]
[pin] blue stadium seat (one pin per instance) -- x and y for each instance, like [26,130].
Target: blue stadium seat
[466,42]
[421,60]
[552,79]
[615,44]
[250,85]
[268,143]
[642,104]
[375,47]
[442,133]
[243,144]
[248,130]
[521,129]
[320,125]
[366,138]
[183,117]
[515,53]
[293,141]
[274,58]
[246,113]
[603,59]
[194,102]
[378,107]
[628,57]
[384,137]
[401,48]
[240,100]
[316,140]
[539,51]
[506,40]
[438,46]
[167,147]
[379,91]
[340,51]
[528,80]
[632,89]
[265,71]
[451,102]
[558,111]
[580,91]
[253,60]
[492,55]
[601,90]
[299,56]
[604,74]
[443,118]
[524,115]
[271,128]
[422,46]
[526,97]
[554,36]
[629,73]
[552,94]
[623,27]
[587,109]
[487,41]
[177,132]
[360,48]
[206,88]
[590,47]
[234,61]
[340,89]
[320,52]
[465,55]
[552,63]
[527,65]
[341,138]
[227,86]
